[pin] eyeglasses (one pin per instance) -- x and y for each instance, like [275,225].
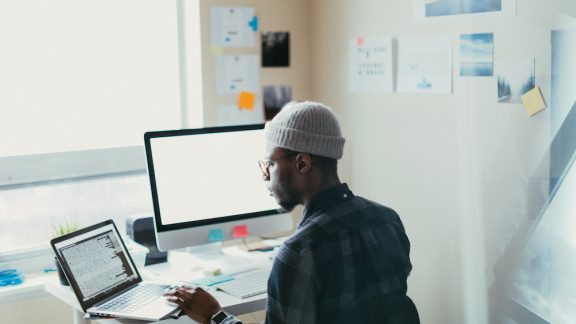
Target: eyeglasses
[264,165]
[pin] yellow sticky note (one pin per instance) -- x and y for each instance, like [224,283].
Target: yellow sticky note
[533,101]
[246,100]
[216,50]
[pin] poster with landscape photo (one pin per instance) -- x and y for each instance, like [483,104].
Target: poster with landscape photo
[275,97]
[477,54]
[276,49]
[430,9]
[515,78]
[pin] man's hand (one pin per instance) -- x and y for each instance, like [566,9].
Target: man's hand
[195,302]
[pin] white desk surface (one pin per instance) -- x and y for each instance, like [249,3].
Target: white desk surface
[230,303]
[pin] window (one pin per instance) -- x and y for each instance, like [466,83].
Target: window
[30,213]
[81,82]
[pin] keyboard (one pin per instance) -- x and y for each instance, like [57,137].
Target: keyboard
[248,285]
[136,298]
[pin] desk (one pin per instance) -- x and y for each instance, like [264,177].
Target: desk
[230,303]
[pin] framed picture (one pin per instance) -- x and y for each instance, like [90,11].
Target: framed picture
[276,49]
[275,97]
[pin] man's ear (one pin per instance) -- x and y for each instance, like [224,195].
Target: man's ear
[303,162]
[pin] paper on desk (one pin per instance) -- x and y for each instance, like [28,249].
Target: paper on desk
[187,268]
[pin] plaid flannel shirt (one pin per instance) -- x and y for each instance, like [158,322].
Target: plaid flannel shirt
[346,250]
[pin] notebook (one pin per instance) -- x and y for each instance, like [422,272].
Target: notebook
[104,278]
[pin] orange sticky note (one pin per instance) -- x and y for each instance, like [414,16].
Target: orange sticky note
[246,100]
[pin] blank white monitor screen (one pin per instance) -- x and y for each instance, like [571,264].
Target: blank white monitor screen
[208,178]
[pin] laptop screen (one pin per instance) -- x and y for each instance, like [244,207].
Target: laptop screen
[97,261]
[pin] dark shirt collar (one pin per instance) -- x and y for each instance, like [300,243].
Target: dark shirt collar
[325,200]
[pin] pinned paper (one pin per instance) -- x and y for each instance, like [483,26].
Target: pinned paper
[216,50]
[424,64]
[215,235]
[239,231]
[233,26]
[370,65]
[533,101]
[246,100]
[236,72]
[232,115]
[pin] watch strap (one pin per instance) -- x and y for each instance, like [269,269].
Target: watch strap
[219,318]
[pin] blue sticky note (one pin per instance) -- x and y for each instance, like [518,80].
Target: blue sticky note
[203,282]
[211,281]
[215,235]
[254,23]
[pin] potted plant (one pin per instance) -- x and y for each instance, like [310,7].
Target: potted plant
[59,230]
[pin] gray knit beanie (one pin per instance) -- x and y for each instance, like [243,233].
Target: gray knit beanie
[308,127]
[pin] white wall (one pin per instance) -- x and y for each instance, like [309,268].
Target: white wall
[460,169]
[274,16]
[401,149]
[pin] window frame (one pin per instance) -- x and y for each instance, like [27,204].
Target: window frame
[67,166]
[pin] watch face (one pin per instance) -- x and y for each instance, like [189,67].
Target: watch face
[219,318]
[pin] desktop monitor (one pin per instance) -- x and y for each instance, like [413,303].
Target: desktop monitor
[207,186]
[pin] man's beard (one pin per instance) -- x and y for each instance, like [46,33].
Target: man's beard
[286,197]
[286,209]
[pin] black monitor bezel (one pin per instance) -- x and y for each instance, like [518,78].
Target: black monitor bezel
[160,227]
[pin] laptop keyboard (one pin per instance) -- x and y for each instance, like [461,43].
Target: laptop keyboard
[252,284]
[136,298]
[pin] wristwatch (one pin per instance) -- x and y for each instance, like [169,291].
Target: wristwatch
[219,318]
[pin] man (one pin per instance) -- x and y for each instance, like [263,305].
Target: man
[348,260]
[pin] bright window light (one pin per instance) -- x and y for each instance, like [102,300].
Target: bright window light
[83,75]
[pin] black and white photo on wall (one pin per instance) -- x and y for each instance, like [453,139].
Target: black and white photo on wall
[275,97]
[275,49]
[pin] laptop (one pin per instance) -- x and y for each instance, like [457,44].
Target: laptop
[104,278]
